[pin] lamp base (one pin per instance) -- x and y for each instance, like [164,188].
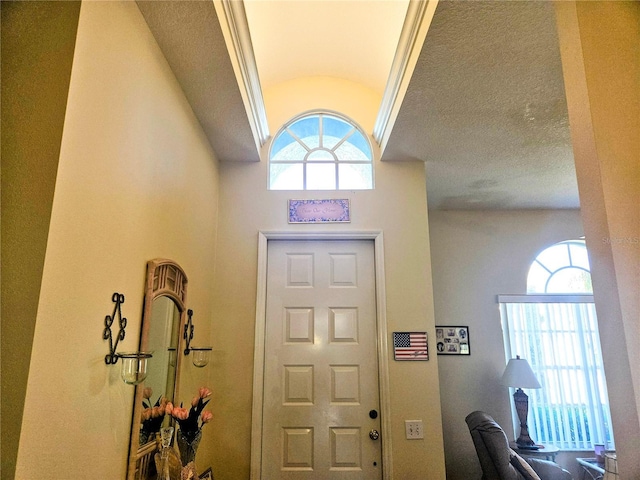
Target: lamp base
[522,408]
[528,447]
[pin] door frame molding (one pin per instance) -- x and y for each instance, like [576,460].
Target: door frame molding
[259,341]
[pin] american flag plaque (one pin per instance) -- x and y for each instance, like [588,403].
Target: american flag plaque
[410,346]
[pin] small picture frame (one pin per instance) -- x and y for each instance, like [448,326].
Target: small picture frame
[452,340]
[206,475]
[410,346]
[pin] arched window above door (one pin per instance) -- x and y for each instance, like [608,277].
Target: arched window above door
[320,151]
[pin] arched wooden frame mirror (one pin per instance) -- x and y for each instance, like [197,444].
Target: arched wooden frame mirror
[162,319]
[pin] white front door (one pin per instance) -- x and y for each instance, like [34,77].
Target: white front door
[321,395]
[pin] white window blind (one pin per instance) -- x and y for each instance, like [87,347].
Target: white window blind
[558,335]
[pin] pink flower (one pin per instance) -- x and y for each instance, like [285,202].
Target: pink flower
[204,392]
[169,408]
[194,401]
[147,392]
[146,414]
[180,413]
[157,412]
[206,416]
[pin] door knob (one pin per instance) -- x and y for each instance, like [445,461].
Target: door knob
[374,435]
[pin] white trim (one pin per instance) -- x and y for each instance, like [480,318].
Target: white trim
[546,298]
[258,360]
[238,39]
[383,356]
[414,31]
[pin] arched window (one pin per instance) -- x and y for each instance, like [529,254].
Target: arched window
[320,151]
[555,327]
[561,268]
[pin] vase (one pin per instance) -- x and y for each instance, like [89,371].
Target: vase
[168,466]
[188,449]
[144,437]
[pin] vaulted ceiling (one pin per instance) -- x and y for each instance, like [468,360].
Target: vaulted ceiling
[484,105]
[351,39]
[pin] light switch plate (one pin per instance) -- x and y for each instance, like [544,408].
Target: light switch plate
[413,429]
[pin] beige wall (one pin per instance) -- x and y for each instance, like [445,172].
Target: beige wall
[289,99]
[38,39]
[397,207]
[476,256]
[600,47]
[136,180]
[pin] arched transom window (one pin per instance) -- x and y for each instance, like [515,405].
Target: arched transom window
[561,268]
[320,151]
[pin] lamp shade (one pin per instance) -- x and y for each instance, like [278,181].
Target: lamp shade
[518,374]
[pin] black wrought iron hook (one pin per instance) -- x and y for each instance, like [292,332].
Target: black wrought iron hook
[188,332]
[111,358]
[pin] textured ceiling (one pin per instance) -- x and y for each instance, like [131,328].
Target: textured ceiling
[485,108]
[189,34]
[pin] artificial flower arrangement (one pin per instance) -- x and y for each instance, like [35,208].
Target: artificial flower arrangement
[152,416]
[188,435]
[191,421]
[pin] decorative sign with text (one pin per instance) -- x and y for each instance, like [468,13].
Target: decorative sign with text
[319,211]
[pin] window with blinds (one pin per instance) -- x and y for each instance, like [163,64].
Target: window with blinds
[557,332]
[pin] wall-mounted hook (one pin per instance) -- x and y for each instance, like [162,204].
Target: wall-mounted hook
[201,355]
[112,357]
[188,332]
[134,364]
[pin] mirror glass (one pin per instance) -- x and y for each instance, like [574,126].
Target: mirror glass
[162,319]
[163,343]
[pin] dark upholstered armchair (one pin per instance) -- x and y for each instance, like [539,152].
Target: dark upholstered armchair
[499,462]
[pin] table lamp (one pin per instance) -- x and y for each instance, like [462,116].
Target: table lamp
[519,375]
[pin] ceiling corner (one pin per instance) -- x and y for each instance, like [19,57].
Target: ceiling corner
[191,39]
[414,31]
[235,29]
